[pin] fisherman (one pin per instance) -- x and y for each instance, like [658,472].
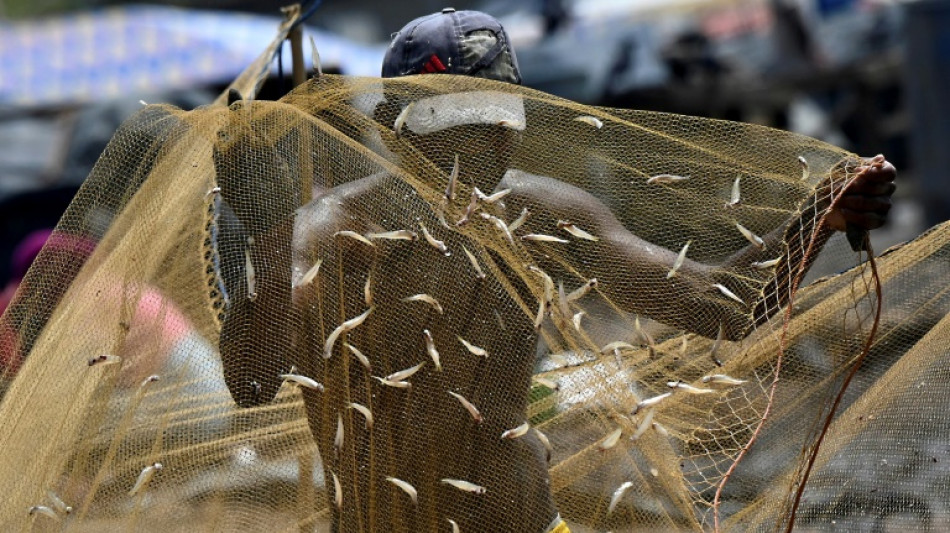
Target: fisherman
[425,358]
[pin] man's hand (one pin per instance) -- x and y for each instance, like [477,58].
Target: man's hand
[867,199]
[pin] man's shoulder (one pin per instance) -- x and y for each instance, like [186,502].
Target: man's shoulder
[342,193]
[521,180]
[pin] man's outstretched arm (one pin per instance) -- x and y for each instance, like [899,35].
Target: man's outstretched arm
[633,272]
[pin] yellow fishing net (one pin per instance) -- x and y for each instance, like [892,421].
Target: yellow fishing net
[437,302]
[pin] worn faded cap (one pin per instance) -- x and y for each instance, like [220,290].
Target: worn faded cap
[470,43]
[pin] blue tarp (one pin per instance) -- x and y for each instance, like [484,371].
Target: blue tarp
[102,54]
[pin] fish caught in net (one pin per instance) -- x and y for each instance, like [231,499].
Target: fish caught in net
[439,302]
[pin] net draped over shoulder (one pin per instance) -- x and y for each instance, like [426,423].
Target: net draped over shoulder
[409,303]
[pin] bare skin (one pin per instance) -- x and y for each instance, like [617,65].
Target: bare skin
[403,444]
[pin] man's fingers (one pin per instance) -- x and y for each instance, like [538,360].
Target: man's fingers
[856,202]
[870,188]
[863,219]
[886,172]
[866,201]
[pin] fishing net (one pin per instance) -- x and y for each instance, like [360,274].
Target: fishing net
[433,302]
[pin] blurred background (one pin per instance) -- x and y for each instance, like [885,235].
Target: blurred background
[869,75]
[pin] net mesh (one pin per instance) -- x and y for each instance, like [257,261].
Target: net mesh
[608,307]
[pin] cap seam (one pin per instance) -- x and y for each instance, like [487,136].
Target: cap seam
[457,41]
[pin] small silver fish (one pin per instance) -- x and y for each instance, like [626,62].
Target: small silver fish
[474,350]
[665,178]
[545,382]
[58,504]
[453,181]
[716,344]
[660,430]
[104,360]
[425,298]
[512,124]
[735,197]
[539,318]
[403,375]
[617,496]
[250,276]
[440,214]
[406,487]
[517,432]
[395,235]
[363,410]
[729,294]
[338,440]
[478,269]
[494,197]
[723,379]
[430,348]
[766,264]
[650,402]
[345,327]
[582,291]
[394,384]
[43,510]
[546,442]
[315,59]
[804,163]
[679,260]
[548,284]
[499,320]
[144,477]
[686,387]
[537,237]
[464,485]
[469,210]
[469,406]
[455,526]
[644,425]
[311,274]
[354,235]
[337,491]
[520,220]
[303,381]
[577,319]
[401,119]
[359,356]
[368,291]
[593,121]
[557,359]
[642,333]
[575,231]
[500,224]
[151,379]
[435,243]
[751,237]
[616,346]
[612,439]
[563,306]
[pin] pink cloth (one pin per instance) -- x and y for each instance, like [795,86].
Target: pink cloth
[157,324]
[26,251]
[10,357]
[6,295]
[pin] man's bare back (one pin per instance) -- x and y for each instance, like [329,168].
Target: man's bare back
[421,434]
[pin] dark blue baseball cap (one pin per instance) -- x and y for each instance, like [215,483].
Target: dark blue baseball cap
[469,43]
